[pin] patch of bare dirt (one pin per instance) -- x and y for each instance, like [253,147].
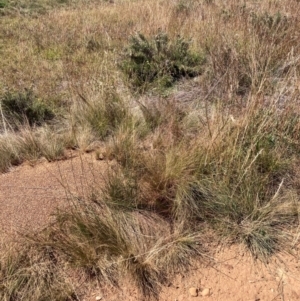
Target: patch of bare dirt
[231,274]
[29,194]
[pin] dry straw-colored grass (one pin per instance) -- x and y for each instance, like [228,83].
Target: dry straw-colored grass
[218,152]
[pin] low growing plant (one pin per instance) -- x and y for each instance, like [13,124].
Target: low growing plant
[108,243]
[159,61]
[102,115]
[3,3]
[24,108]
[31,274]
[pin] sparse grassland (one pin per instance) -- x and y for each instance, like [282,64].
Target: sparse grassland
[196,101]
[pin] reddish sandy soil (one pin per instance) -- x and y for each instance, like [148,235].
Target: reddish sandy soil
[231,275]
[28,195]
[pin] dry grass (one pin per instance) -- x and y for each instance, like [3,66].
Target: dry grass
[108,243]
[27,273]
[218,152]
[31,145]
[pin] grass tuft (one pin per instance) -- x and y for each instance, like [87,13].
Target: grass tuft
[29,274]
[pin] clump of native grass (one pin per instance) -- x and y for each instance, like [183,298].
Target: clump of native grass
[28,273]
[108,243]
[233,174]
[102,115]
[33,144]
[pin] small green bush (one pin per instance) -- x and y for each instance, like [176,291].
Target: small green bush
[159,61]
[24,108]
[3,3]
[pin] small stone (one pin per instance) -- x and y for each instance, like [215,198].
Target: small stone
[99,156]
[205,292]
[98,298]
[193,292]
[43,160]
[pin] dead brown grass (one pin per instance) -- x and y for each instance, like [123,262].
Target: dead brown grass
[219,152]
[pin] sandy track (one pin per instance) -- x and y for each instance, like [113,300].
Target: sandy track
[28,195]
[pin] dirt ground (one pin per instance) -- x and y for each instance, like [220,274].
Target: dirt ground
[231,275]
[31,192]
[28,195]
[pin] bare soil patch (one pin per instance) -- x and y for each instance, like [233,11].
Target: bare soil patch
[30,194]
[232,274]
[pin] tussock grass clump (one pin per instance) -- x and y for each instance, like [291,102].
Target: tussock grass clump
[229,174]
[9,155]
[104,114]
[108,243]
[31,274]
[31,145]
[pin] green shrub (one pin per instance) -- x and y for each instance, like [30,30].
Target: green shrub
[159,61]
[25,108]
[3,3]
